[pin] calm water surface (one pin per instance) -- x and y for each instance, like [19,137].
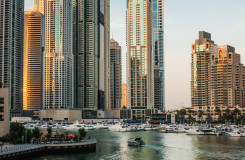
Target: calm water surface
[159,146]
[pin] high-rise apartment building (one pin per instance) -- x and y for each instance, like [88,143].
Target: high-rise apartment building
[32,60]
[217,76]
[11,49]
[39,5]
[227,83]
[158,53]
[140,78]
[91,27]
[58,57]
[200,69]
[115,74]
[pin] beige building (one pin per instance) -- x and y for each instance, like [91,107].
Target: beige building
[200,69]
[217,75]
[32,60]
[4,111]
[124,95]
[60,115]
[227,78]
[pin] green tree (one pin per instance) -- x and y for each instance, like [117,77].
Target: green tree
[36,133]
[82,133]
[49,129]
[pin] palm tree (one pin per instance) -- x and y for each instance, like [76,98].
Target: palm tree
[200,114]
[218,112]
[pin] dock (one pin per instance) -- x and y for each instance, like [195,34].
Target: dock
[23,150]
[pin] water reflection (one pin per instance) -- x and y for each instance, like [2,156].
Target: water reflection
[159,146]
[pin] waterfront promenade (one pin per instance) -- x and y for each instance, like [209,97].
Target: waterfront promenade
[13,151]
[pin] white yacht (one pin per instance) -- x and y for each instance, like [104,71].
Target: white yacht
[73,127]
[235,133]
[121,128]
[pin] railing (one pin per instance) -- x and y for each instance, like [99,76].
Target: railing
[19,148]
[25,147]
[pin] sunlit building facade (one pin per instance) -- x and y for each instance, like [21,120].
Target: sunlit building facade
[124,95]
[140,78]
[217,76]
[91,40]
[32,60]
[200,69]
[227,81]
[39,5]
[115,74]
[58,57]
[11,49]
[158,53]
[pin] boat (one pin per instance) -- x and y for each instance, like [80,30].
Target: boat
[122,128]
[73,127]
[235,133]
[136,141]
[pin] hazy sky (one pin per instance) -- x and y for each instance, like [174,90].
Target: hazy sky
[224,19]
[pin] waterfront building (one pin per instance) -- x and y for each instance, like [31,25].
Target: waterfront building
[32,60]
[91,40]
[158,53]
[11,49]
[218,77]
[227,82]
[58,57]
[115,74]
[39,5]
[140,78]
[4,111]
[200,70]
[124,96]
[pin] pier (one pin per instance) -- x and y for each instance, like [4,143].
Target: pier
[16,151]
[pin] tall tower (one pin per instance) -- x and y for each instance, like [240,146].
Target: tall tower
[115,75]
[58,57]
[140,76]
[32,60]
[158,53]
[39,5]
[200,70]
[11,49]
[91,27]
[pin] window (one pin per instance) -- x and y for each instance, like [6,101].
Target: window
[1,109]
[1,100]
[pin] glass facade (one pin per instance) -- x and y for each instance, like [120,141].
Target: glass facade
[140,70]
[58,58]
[91,48]
[11,49]
[158,53]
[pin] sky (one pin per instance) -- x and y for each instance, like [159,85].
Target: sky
[224,19]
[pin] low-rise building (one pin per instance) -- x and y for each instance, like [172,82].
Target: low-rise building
[60,115]
[4,111]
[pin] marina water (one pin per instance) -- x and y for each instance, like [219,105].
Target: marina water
[158,146]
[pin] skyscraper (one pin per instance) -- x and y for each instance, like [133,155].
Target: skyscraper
[11,49]
[158,53]
[58,58]
[140,78]
[39,5]
[200,69]
[115,74]
[32,60]
[91,48]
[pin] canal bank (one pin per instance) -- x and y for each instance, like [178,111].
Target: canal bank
[24,151]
